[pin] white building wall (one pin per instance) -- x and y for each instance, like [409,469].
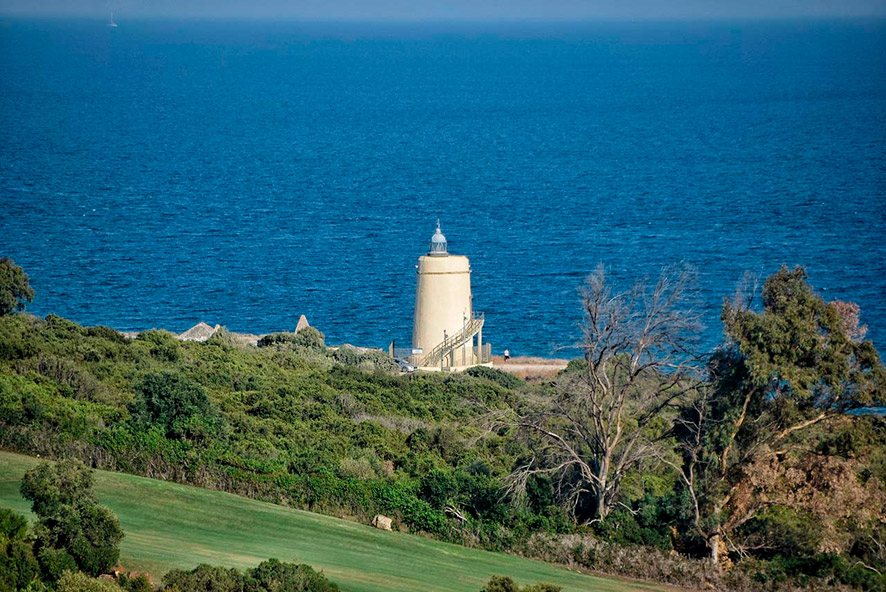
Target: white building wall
[442,302]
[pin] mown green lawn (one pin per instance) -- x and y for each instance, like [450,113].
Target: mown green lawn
[174,526]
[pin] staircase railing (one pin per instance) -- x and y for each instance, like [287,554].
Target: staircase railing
[434,357]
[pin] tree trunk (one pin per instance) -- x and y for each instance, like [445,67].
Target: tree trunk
[714,548]
[601,506]
[602,472]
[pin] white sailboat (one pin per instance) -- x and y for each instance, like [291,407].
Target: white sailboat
[112,23]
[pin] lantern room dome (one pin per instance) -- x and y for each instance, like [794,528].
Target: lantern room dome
[438,243]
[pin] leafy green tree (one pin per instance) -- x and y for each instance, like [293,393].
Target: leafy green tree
[70,517]
[786,371]
[54,562]
[18,566]
[14,287]
[176,403]
[12,526]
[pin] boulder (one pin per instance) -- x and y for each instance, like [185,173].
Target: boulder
[382,522]
[199,332]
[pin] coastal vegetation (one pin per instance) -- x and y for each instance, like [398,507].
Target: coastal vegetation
[15,290]
[169,526]
[748,468]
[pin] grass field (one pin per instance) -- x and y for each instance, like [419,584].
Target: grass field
[174,526]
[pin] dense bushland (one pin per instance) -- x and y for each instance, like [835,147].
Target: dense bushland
[277,422]
[740,470]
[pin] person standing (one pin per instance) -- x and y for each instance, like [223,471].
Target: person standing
[507,355]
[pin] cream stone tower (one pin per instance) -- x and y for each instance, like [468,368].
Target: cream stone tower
[445,326]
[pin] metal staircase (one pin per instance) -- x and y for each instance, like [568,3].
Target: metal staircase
[436,356]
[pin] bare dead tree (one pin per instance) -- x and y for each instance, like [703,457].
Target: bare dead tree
[602,420]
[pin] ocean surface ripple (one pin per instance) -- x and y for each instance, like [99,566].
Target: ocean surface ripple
[163,173]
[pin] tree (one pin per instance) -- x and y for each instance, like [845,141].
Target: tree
[70,518]
[176,403]
[14,287]
[785,372]
[605,417]
[18,566]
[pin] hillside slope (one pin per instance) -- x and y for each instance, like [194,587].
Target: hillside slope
[174,526]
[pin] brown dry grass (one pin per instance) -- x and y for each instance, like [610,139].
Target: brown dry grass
[530,369]
[499,361]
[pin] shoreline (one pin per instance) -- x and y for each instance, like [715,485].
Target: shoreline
[202,331]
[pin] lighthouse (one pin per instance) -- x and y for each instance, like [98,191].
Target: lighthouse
[446,334]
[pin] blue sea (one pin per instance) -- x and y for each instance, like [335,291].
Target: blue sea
[163,173]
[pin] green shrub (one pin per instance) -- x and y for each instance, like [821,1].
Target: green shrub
[625,528]
[347,356]
[19,336]
[106,333]
[62,328]
[309,337]
[163,345]
[784,572]
[497,376]
[268,576]
[138,583]
[18,566]
[786,531]
[80,582]
[12,526]
[205,578]
[75,382]
[369,361]
[377,360]
[274,576]
[176,403]
[501,584]
[280,340]
[506,584]
[358,468]
[54,563]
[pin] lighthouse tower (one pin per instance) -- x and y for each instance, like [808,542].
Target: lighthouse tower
[446,331]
